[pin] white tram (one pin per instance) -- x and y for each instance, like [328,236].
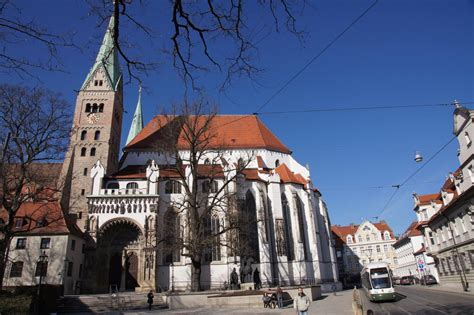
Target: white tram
[377,282]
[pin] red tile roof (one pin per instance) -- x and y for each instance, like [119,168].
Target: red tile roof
[411,231]
[344,231]
[42,218]
[421,250]
[287,176]
[166,171]
[427,199]
[228,132]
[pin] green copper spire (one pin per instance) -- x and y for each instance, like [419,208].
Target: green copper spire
[137,122]
[108,58]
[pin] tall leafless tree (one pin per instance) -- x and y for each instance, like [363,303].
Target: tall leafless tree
[204,216]
[34,129]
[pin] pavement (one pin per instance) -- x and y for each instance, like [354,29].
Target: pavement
[337,304]
[420,300]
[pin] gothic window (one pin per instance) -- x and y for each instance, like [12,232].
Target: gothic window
[172,187]
[132,185]
[248,244]
[88,107]
[211,230]
[101,107]
[97,135]
[264,218]
[93,152]
[287,222]
[300,215]
[280,237]
[83,135]
[95,108]
[16,269]
[171,252]
[83,151]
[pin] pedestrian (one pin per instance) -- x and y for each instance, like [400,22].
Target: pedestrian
[279,295]
[150,297]
[301,302]
[256,279]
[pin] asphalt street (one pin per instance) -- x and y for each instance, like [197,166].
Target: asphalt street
[419,300]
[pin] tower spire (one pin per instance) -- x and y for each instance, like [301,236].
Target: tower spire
[107,57]
[137,122]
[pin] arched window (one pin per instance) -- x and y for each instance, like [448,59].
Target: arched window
[172,187]
[88,107]
[277,163]
[386,235]
[83,151]
[349,239]
[97,135]
[113,186]
[83,134]
[101,107]
[207,162]
[93,152]
[132,185]
[172,234]
[301,227]
[95,108]
[287,224]
[211,231]
[264,217]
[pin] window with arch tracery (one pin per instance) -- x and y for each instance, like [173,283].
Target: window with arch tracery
[172,187]
[172,234]
[83,134]
[132,185]
[287,226]
[301,228]
[211,230]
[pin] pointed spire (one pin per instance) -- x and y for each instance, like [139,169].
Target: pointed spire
[107,57]
[137,122]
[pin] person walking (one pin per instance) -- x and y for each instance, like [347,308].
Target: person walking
[279,295]
[301,302]
[150,297]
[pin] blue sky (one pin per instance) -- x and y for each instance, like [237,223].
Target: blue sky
[401,53]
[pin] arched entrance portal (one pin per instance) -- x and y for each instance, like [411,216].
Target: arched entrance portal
[118,250]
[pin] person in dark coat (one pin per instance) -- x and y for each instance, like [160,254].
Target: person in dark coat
[150,297]
[234,280]
[256,279]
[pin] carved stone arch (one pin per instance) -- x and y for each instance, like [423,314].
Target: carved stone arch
[122,220]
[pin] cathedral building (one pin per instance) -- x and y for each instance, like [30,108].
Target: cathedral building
[126,207]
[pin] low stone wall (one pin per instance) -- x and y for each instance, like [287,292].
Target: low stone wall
[224,299]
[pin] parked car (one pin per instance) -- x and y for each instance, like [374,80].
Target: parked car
[428,280]
[408,280]
[396,280]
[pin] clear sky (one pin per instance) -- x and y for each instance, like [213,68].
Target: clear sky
[401,53]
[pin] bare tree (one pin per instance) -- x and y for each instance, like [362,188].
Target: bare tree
[34,128]
[18,33]
[204,215]
[205,35]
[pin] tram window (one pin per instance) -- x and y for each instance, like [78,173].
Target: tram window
[380,278]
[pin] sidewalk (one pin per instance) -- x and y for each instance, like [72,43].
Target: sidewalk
[330,304]
[445,288]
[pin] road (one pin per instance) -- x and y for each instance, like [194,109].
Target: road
[420,300]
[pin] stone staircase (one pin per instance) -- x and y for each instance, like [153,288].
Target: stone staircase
[105,303]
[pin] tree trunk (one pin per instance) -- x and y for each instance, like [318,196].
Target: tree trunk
[196,274]
[4,252]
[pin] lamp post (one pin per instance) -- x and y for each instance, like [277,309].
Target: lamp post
[42,261]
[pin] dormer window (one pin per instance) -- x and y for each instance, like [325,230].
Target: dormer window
[386,235]
[207,162]
[468,139]
[349,239]
[277,163]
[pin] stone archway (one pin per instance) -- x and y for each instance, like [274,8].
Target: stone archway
[118,247]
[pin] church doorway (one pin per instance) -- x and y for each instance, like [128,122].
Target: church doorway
[119,245]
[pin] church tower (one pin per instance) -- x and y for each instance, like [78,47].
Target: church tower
[96,128]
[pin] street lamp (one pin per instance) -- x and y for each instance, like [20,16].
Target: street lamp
[42,261]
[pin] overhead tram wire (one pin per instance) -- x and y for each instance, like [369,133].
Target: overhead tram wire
[413,175]
[299,72]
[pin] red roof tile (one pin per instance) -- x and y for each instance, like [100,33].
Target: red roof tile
[344,231]
[228,132]
[427,199]
[287,176]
